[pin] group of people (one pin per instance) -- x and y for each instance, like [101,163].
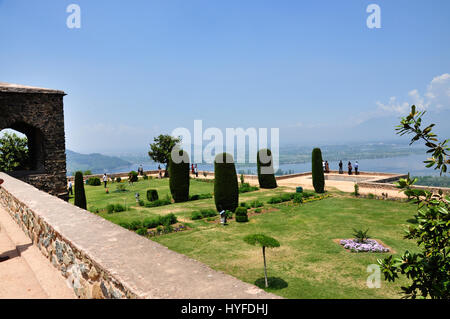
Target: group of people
[349,167]
[194,170]
[326,167]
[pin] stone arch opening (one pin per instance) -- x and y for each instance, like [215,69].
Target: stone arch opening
[35,145]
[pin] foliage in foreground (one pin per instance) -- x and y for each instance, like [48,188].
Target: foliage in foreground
[226,190]
[317,171]
[80,195]
[428,270]
[266,175]
[179,177]
[14,153]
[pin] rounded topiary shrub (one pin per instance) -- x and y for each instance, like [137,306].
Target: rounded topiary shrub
[226,188]
[317,171]
[179,176]
[266,176]
[241,215]
[80,195]
[94,181]
[152,195]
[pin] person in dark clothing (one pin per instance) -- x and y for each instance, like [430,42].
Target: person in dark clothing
[327,167]
[341,170]
[349,168]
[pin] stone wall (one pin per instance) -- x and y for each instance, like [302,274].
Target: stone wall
[38,113]
[102,260]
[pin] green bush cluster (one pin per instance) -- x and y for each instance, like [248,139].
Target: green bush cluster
[114,208]
[121,188]
[256,204]
[244,204]
[179,177]
[94,181]
[296,197]
[265,180]
[154,222]
[226,189]
[118,179]
[245,188]
[152,195]
[159,202]
[241,214]
[203,213]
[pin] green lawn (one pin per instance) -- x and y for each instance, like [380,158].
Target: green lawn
[309,264]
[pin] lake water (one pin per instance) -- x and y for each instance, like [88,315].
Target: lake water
[402,165]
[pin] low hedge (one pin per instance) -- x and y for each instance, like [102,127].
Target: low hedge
[94,181]
[203,213]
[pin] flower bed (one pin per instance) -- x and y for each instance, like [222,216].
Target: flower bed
[369,245]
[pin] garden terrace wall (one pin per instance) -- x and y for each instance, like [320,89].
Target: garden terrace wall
[103,260]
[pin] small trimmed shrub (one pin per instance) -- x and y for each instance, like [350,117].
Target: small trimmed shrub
[258,210]
[145,177]
[356,193]
[229,214]
[168,219]
[151,222]
[141,231]
[152,195]
[94,181]
[370,196]
[159,202]
[94,210]
[298,198]
[200,196]
[118,179]
[241,215]
[275,200]
[196,215]
[135,224]
[110,208]
[141,202]
[119,208]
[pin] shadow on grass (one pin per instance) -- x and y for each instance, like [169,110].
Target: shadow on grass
[274,283]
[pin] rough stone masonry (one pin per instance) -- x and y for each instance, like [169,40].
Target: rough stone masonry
[38,113]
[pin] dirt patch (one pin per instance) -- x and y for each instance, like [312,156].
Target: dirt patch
[391,251]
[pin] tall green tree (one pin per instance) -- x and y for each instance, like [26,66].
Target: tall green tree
[161,148]
[80,195]
[428,270]
[14,153]
[317,171]
[226,188]
[179,176]
[264,164]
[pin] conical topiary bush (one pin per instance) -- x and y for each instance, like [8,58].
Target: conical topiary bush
[266,176]
[80,195]
[179,176]
[318,177]
[226,189]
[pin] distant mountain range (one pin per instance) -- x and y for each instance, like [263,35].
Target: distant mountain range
[96,163]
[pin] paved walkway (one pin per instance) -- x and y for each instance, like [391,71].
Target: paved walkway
[27,273]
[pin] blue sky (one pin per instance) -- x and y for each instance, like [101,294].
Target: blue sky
[311,68]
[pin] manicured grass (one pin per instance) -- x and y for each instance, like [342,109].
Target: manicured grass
[308,264]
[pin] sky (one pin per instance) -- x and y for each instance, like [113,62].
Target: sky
[313,69]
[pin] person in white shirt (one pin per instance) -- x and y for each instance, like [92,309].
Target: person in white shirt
[105,179]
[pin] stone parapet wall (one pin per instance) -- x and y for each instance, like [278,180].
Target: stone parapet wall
[102,260]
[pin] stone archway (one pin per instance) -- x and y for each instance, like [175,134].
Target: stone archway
[38,113]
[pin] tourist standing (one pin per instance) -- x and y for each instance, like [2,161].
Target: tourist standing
[327,167]
[159,172]
[356,168]
[323,165]
[192,169]
[196,170]
[341,170]
[349,168]
[105,179]
[70,188]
